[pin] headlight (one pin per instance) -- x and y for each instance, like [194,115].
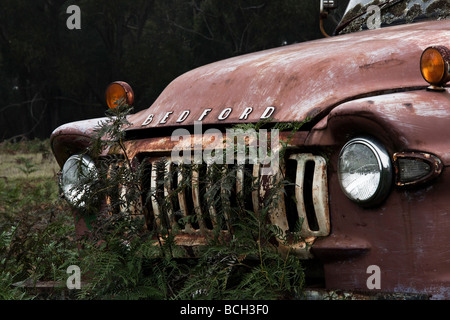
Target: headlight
[76,174]
[365,171]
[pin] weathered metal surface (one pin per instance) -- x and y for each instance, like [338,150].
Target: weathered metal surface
[364,83]
[165,145]
[406,235]
[319,194]
[299,81]
[267,185]
[403,121]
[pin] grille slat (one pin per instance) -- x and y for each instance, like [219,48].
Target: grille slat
[255,192]
[196,201]
[168,194]
[183,202]
[319,191]
[211,208]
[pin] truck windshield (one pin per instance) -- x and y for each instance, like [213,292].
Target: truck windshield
[371,14]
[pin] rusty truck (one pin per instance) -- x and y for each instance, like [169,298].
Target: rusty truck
[370,165]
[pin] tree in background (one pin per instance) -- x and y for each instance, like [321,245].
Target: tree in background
[50,75]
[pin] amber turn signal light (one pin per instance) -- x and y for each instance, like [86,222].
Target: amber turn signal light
[118,92]
[434,66]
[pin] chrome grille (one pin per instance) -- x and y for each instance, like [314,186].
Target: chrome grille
[318,213]
[188,209]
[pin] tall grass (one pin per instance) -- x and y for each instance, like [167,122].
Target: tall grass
[36,228]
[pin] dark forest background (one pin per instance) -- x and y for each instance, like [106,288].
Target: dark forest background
[50,75]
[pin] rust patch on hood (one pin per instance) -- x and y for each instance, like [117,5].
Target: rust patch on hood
[383,64]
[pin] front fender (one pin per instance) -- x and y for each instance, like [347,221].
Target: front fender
[406,236]
[403,121]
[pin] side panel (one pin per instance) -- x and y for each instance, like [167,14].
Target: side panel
[407,236]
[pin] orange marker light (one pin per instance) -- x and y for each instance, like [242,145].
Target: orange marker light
[119,91]
[434,66]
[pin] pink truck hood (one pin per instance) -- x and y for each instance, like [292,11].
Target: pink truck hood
[294,82]
[291,83]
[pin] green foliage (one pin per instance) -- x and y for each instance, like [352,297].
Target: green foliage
[125,256]
[246,268]
[36,236]
[26,146]
[27,166]
[36,227]
[111,133]
[117,268]
[7,289]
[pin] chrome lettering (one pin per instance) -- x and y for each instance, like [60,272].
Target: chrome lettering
[205,112]
[183,116]
[268,112]
[148,120]
[245,114]
[164,120]
[225,113]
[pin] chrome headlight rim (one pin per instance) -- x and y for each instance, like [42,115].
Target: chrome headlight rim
[84,169]
[385,169]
